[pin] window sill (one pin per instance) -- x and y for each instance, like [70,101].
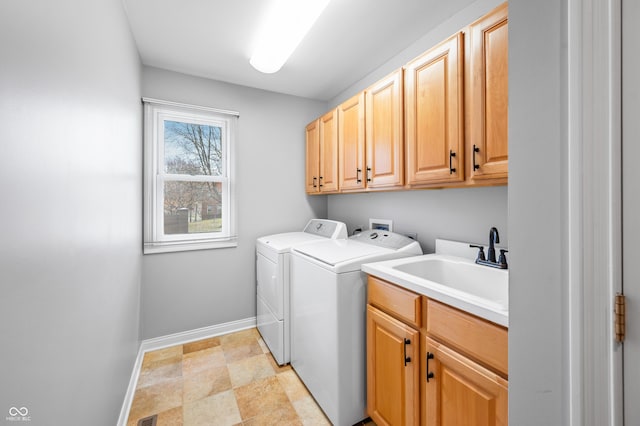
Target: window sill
[170,247]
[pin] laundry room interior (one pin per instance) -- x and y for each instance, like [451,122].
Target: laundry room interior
[100,303]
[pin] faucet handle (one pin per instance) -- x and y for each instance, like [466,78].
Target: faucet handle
[480,252]
[502,260]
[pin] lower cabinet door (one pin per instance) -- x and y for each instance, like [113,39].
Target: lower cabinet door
[392,370]
[457,391]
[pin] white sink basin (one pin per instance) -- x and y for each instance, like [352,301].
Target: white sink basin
[481,290]
[460,274]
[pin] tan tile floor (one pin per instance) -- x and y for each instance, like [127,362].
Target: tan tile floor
[225,380]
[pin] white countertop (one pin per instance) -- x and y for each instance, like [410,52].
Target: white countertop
[495,310]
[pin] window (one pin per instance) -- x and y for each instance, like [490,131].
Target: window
[188,191]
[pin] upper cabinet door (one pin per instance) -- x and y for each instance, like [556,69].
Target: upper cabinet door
[434,114]
[328,179]
[312,132]
[489,96]
[351,143]
[384,133]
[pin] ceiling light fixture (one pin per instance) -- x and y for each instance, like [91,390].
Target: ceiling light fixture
[285,26]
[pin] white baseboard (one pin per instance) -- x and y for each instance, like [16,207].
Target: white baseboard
[133,382]
[197,334]
[172,340]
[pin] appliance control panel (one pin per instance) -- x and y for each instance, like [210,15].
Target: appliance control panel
[383,238]
[326,228]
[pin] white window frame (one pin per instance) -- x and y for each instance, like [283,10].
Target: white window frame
[156,112]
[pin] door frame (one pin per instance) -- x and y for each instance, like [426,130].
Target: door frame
[594,213]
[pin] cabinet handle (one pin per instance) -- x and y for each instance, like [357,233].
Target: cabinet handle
[476,166]
[358,171]
[368,174]
[452,154]
[406,358]
[320,181]
[429,373]
[314,182]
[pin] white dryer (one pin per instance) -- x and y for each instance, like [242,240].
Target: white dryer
[328,317]
[272,277]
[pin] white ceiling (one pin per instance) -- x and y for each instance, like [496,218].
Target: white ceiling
[215,38]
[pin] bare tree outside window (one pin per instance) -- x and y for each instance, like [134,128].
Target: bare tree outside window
[192,206]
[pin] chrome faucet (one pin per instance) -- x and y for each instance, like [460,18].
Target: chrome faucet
[501,262]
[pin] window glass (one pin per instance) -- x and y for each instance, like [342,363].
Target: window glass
[192,207]
[192,149]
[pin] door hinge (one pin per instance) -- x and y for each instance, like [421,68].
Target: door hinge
[619,313]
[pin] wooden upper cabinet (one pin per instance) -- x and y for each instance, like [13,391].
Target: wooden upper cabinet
[312,132]
[440,121]
[384,133]
[351,165]
[489,96]
[328,178]
[434,114]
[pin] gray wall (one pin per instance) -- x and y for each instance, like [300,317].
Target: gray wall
[188,290]
[70,223]
[463,214]
[539,307]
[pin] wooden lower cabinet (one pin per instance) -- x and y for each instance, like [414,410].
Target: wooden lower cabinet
[431,364]
[392,370]
[460,391]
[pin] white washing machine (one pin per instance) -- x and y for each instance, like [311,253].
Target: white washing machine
[328,317]
[272,278]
